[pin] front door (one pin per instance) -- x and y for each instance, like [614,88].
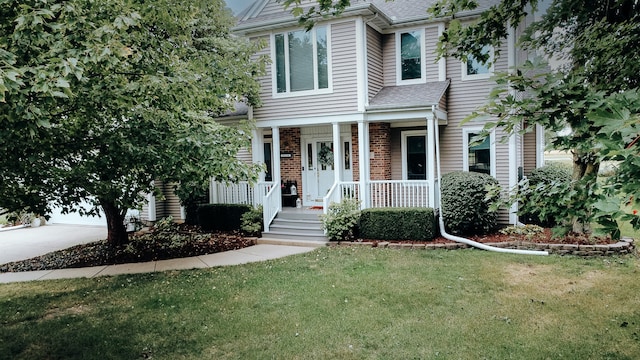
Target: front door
[318,170]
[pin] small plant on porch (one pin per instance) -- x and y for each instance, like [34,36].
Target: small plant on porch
[341,220]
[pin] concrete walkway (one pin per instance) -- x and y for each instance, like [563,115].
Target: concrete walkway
[22,244]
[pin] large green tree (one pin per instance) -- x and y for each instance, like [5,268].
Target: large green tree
[594,92]
[100,98]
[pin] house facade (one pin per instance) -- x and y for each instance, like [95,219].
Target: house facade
[359,106]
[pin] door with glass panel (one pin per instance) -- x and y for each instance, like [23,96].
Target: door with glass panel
[318,170]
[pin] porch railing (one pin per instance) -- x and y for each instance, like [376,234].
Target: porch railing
[339,191]
[398,193]
[241,193]
[271,206]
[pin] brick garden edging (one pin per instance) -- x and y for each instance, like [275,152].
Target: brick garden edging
[622,247]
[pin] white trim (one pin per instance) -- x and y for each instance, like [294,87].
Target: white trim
[442,63]
[274,69]
[465,148]
[361,64]
[403,148]
[423,63]
[467,77]
[540,146]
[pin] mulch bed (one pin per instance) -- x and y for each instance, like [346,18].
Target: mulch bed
[100,253]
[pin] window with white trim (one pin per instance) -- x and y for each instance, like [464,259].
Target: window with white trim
[473,69]
[479,156]
[410,55]
[414,155]
[301,61]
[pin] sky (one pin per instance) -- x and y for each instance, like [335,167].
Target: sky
[238,5]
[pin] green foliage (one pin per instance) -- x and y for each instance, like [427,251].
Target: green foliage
[529,231]
[253,221]
[221,217]
[398,224]
[543,198]
[593,92]
[98,99]
[341,220]
[465,206]
[165,237]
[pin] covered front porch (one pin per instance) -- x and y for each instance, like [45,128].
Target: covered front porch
[328,162]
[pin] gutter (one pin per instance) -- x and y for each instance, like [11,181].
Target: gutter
[465,240]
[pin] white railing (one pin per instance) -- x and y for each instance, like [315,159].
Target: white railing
[339,191]
[398,193]
[241,193]
[271,206]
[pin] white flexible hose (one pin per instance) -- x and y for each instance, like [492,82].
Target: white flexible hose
[441,221]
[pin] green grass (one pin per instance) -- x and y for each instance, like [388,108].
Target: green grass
[339,303]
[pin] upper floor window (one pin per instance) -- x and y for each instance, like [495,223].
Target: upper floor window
[301,61]
[479,156]
[411,56]
[414,155]
[474,69]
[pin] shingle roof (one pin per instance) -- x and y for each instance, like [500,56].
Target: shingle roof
[397,12]
[409,96]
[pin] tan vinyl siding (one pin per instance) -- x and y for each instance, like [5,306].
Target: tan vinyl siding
[244,155]
[463,98]
[529,152]
[344,96]
[389,59]
[431,41]
[375,70]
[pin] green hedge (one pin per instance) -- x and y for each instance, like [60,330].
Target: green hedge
[221,217]
[465,209]
[398,224]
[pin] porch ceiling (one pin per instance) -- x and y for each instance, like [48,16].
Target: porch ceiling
[408,96]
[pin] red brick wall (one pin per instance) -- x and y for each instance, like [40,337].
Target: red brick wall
[380,145]
[290,168]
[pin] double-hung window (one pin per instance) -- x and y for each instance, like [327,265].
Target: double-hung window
[410,54]
[414,155]
[301,61]
[474,69]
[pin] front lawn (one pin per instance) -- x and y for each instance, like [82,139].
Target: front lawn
[337,303]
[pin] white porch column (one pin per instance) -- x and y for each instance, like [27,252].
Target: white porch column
[257,149]
[276,154]
[431,158]
[513,138]
[213,191]
[337,154]
[363,162]
[151,206]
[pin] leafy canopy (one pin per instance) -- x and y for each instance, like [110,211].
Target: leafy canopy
[100,98]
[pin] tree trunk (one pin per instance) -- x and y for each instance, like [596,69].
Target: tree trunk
[585,166]
[116,230]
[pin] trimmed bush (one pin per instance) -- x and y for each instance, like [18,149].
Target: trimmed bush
[465,207]
[253,222]
[540,200]
[398,224]
[221,217]
[341,219]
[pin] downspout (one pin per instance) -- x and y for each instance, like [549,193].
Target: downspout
[461,239]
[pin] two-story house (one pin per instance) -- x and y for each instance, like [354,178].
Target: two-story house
[358,106]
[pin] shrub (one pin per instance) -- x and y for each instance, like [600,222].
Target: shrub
[252,222]
[540,203]
[464,205]
[221,217]
[398,224]
[341,219]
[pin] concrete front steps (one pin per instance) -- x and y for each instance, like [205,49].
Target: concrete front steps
[295,227]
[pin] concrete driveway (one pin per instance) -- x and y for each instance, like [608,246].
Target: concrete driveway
[25,243]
